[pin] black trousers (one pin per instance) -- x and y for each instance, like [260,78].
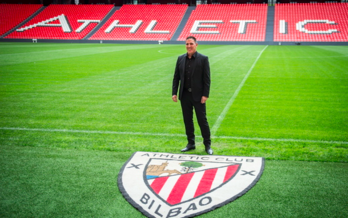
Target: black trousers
[187,106]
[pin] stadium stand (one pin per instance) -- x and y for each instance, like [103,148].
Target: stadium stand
[62,22]
[311,22]
[142,22]
[227,22]
[12,15]
[293,22]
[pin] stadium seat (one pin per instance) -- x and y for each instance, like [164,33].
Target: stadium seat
[13,14]
[142,22]
[308,22]
[316,22]
[227,22]
[62,22]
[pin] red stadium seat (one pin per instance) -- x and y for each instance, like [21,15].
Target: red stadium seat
[227,22]
[319,22]
[142,22]
[62,22]
[13,14]
[308,22]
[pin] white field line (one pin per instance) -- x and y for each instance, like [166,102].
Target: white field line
[218,122]
[167,135]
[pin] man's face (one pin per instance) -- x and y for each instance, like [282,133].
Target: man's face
[191,46]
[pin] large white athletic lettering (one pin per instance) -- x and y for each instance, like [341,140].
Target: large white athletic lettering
[243,25]
[300,26]
[134,27]
[283,27]
[63,22]
[198,24]
[85,24]
[151,26]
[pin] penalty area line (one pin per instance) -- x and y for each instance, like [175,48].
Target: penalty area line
[234,96]
[168,135]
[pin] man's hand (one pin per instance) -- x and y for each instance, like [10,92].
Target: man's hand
[175,98]
[204,99]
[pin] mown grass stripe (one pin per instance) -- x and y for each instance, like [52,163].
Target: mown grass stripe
[230,102]
[168,135]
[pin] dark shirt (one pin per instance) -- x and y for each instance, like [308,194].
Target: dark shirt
[188,70]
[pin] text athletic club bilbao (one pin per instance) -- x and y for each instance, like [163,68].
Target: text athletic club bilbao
[157,206]
[174,212]
[199,158]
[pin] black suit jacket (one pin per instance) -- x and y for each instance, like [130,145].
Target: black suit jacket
[200,78]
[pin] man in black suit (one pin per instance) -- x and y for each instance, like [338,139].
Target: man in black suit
[192,71]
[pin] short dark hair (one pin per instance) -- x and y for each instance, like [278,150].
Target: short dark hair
[192,37]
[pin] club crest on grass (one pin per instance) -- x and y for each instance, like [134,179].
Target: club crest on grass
[184,185]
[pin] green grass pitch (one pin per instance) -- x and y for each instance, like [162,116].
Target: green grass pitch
[72,114]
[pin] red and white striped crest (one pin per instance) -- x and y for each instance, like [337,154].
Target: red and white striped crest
[173,185]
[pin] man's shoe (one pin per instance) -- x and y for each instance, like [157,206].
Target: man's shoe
[209,150]
[188,147]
